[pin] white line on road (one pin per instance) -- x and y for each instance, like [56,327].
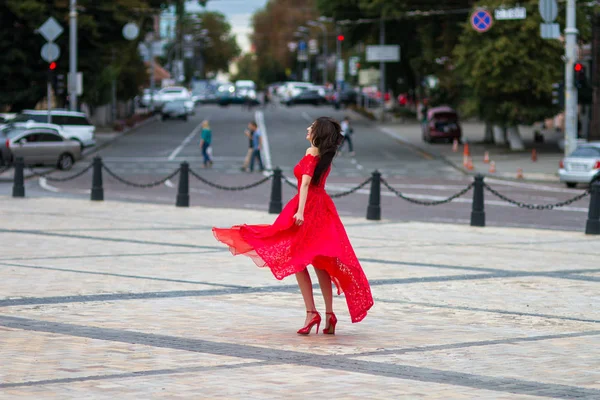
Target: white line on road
[307,117]
[185,142]
[260,120]
[170,184]
[46,186]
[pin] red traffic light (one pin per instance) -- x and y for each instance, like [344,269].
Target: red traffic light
[340,38]
[52,66]
[578,67]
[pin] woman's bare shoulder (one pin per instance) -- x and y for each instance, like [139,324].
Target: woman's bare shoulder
[313,151]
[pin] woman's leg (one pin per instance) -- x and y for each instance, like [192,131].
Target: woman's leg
[306,289]
[325,284]
[204,153]
[349,140]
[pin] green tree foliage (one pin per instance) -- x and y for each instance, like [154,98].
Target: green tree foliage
[103,53]
[247,68]
[506,73]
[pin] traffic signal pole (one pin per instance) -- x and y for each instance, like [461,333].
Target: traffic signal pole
[570,89]
[382,68]
[73,56]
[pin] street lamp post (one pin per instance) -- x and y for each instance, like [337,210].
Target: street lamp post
[324,29]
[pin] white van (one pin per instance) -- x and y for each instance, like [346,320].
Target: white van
[75,125]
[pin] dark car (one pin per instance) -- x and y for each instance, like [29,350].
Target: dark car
[174,109]
[307,97]
[441,124]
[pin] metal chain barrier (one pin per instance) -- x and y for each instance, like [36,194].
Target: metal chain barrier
[140,185]
[354,189]
[230,188]
[536,206]
[337,195]
[4,169]
[64,179]
[427,203]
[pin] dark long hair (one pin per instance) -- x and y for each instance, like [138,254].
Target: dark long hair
[327,137]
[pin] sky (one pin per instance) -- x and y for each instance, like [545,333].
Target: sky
[238,13]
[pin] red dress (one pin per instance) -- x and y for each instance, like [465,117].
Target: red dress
[321,240]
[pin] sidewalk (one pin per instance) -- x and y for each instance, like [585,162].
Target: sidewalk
[109,300]
[507,162]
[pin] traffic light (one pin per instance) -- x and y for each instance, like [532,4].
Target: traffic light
[340,38]
[580,77]
[558,95]
[52,66]
[59,85]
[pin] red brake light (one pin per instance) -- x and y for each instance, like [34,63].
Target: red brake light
[561,164]
[597,165]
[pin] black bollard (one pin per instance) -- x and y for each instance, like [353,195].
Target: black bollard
[183,190]
[275,203]
[478,212]
[19,180]
[97,189]
[592,227]
[374,208]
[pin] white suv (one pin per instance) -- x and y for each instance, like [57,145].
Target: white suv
[75,125]
[177,93]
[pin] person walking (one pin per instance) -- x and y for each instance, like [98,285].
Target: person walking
[249,134]
[256,146]
[347,132]
[309,231]
[205,141]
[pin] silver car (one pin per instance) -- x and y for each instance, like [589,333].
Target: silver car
[38,146]
[582,166]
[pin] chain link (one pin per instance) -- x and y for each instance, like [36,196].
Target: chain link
[349,192]
[230,188]
[536,206]
[427,203]
[63,179]
[289,182]
[140,185]
[4,169]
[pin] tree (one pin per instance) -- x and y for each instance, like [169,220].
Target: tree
[247,68]
[507,73]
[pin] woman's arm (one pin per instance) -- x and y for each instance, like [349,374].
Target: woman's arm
[303,194]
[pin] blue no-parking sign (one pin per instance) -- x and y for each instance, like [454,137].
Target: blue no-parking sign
[481,20]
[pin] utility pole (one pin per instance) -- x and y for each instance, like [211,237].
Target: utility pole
[594,131]
[338,58]
[570,89]
[73,55]
[382,67]
[152,79]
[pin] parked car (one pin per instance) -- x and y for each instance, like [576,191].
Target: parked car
[582,166]
[174,109]
[38,146]
[442,123]
[177,93]
[292,89]
[75,125]
[307,97]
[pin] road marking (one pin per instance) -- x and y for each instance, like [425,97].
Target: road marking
[168,183]
[260,120]
[411,146]
[307,117]
[185,142]
[46,186]
[132,160]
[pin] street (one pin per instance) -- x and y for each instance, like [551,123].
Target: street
[157,148]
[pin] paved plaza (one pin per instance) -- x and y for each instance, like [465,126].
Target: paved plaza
[116,300]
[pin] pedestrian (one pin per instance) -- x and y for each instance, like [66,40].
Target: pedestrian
[347,132]
[205,141]
[256,146]
[266,99]
[309,231]
[249,134]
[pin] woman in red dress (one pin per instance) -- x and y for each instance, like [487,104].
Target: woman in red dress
[309,231]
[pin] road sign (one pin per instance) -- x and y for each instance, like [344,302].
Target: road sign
[481,20]
[313,46]
[131,31]
[353,66]
[385,53]
[50,52]
[550,31]
[302,45]
[510,13]
[340,71]
[548,10]
[51,29]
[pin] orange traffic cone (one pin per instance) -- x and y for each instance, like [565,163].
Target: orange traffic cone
[492,169]
[470,164]
[520,173]
[533,155]
[455,145]
[486,157]
[466,151]
[465,161]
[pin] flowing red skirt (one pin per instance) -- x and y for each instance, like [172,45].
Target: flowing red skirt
[321,240]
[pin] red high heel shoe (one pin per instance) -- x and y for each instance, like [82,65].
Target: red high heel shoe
[315,320]
[330,330]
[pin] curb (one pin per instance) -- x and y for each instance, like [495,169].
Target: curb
[95,150]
